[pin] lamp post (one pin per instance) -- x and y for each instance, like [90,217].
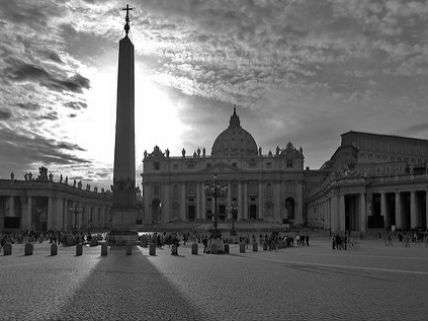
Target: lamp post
[234,208]
[215,190]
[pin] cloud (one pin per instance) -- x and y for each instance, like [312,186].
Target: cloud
[49,116]
[76,105]
[29,106]
[25,150]
[20,71]
[5,114]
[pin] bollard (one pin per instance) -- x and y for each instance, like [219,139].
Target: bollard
[174,249]
[265,246]
[195,248]
[241,247]
[152,249]
[104,249]
[54,249]
[129,249]
[255,247]
[79,249]
[226,249]
[7,249]
[28,249]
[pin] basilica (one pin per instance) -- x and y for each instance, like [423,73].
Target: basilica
[371,182]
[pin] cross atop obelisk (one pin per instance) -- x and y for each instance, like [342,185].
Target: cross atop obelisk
[127,9]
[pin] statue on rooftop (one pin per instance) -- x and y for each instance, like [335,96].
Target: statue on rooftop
[183,152]
[12,176]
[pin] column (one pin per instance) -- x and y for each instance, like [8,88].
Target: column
[166,204]
[26,213]
[246,200]
[333,213]
[363,213]
[147,203]
[383,211]
[51,218]
[341,213]
[398,217]
[59,214]
[298,219]
[260,198]
[240,209]
[11,206]
[198,201]
[413,212]
[204,203]
[426,209]
[277,202]
[183,203]
[229,201]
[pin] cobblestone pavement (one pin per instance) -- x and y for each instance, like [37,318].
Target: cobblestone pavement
[372,282]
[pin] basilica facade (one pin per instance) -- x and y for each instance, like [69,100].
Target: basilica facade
[372,181]
[237,180]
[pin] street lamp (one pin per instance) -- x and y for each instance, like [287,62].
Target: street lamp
[234,211]
[215,190]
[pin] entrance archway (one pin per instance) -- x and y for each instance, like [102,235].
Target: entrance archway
[156,211]
[253,212]
[290,206]
[191,212]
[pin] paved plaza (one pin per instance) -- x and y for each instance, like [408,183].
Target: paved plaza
[371,282]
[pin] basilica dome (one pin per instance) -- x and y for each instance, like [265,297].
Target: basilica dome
[234,141]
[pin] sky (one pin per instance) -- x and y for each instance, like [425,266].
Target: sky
[303,71]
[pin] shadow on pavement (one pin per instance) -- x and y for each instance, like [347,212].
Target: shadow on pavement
[127,287]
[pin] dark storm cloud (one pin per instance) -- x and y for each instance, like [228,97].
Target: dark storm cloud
[52,56]
[49,116]
[21,151]
[5,114]
[29,106]
[76,105]
[20,71]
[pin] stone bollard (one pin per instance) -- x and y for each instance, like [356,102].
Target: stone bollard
[195,248]
[241,247]
[265,246]
[226,249]
[28,249]
[104,249]
[79,249]
[255,247]
[128,249]
[174,249]
[54,249]
[152,249]
[7,249]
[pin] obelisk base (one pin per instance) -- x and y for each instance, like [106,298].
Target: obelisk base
[123,219]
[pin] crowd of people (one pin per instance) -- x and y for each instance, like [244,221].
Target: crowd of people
[58,237]
[269,241]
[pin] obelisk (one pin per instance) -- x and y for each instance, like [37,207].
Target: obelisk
[124,210]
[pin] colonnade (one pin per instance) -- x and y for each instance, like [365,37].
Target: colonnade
[59,213]
[360,211]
